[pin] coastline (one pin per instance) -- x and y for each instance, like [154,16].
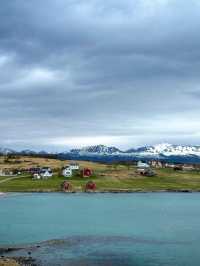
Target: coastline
[112,191]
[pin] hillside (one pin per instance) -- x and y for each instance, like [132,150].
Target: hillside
[20,162]
[108,177]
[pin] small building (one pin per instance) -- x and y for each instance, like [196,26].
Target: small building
[67,172]
[74,166]
[66,186]
[86,172]
[46,173]
[90,186]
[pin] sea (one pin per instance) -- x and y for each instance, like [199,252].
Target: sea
[90,229]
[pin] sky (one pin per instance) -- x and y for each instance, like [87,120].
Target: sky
[75,73]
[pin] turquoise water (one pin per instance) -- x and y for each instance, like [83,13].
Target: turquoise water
[104,229]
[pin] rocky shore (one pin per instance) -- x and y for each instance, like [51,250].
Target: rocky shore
[18,261]
[6,260]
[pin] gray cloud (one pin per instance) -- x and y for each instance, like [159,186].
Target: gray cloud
[124,72]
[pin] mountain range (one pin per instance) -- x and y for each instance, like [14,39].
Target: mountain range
[164,151]
[156,150]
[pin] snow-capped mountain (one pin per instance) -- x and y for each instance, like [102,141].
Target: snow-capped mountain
[169,150]
[97,149]
[159,149]
[164,151]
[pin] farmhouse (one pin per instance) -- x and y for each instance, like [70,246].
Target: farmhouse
[46,172]
[67,172]
[86,172]
[90,186]
[66,186]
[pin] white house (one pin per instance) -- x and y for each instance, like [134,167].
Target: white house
[46,173]
[67,172]
[142,165]
[74,166]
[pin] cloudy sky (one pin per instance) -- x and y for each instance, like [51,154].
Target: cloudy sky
[115,72]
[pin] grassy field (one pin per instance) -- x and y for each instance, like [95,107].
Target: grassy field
[106,177]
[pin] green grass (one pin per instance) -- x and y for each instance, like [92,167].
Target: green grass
[166,179]
[2,177]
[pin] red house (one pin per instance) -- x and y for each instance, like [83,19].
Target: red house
[66,186]
[90,186]
[86,172]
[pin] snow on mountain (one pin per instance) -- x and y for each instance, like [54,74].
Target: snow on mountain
[169,150]
[154,151]
[164,149]
[97,149]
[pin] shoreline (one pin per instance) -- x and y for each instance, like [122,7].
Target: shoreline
[111,191]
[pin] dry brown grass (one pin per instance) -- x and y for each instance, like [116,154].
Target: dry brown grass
[28,162]
[121,173]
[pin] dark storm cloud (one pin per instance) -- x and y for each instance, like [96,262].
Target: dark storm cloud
[110,69]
